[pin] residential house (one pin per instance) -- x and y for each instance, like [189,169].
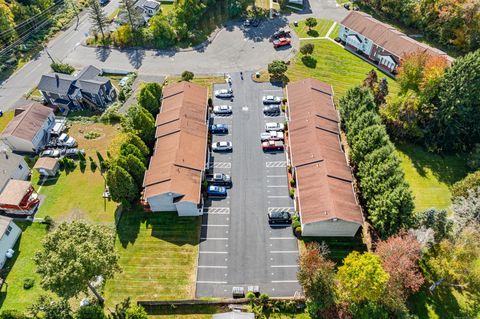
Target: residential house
[173,181]
[86,89]
[29,130]
[147,7]
[47,166]
[12,166]
[380,42]
[9,234]
[19,198]
[324,196]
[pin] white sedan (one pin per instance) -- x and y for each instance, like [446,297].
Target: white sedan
[222,146]
[224,93]
[272,126]
[222,109]
[270,99]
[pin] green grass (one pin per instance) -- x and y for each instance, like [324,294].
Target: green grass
[336,66]
[339,247]
[430,175]
[5,119]
[158,255]
[320,30]
[22,266]
[335,32]
[342,2]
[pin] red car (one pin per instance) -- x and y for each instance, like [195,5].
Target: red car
[272,146]
[281,42]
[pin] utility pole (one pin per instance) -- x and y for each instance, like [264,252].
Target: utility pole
[48,53]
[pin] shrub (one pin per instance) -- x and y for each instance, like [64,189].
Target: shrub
[307,49]
[28,283]
[298,231]
[292,182]
[461,188]
[93,166]
[210,102]
[292,192]
[90,312]
[309,61]
[111,115]
[91,135]
[12,314]
[473,161]
[62,68]
[250,295]
[296,224]
[187,76]
[263,298]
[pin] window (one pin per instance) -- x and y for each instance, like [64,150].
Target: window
[20,166]
[9,229]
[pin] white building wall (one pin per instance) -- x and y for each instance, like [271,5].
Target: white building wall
[330,228]
[19,145]
[367,44]
[162,203]
[8,241]
[22,172]
[185,208]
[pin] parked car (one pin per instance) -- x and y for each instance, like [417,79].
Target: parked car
[271,110]
[247,23]
[222,146]
[272,126]
[281,34]
[281,42]
[104,2]
[74,152]
[216,191]
[272,146]
[271,136]
[270,99]
[224,93]
[279,218]
[219,179]
[123,81]
[66,141]
[219,129]
[51,153]
[222,109]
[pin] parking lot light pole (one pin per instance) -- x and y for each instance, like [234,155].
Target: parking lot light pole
[271,9]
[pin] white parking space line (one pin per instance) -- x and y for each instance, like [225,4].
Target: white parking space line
[215,267]
[271,176]
[283,281]
[217,210]
[211,282]
[284,252]
[213,238]
[282,238]
[221,165]
[214,252]
[276,164]
[284,266]
[278,196]
[276,186]
[210,225]
[281,209]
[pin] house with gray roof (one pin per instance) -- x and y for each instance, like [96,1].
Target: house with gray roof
[87,89]
[12,166]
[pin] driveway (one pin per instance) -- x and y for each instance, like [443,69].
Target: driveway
[238,247]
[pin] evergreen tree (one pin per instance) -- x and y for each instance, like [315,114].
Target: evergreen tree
[98,18]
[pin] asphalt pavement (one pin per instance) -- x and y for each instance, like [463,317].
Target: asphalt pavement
[238,247]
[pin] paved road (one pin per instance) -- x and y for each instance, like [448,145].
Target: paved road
[238,247]
[234,49]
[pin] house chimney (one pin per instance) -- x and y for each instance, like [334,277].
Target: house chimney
[58,79]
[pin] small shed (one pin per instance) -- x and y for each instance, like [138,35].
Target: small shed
[234,315]
[47,166]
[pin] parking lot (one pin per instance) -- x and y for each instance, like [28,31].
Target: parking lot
[238,247]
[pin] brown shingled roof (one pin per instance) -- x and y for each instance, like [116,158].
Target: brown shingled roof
[324,179]
[181,143]
[26,124]
[14,192]
[387,36]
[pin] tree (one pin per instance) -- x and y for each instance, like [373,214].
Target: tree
[91,253]
[133,15]
[149,97]
[366,141]
[371,81]
[137,141]
[130,149]
[410,72]
[162,32]
[141,121]
[466,210]
[51,309]
[7,24]
[307,49]
[277,68]
[187,76]
[121,184]
[316,275]
[134,166]
[12,314]
[98,18]
[136,312]
[455,261]
[362,277]
[380,92]
[311,23]
[461,188]
[187,14]
[90,312]
[436,220]
[400,255]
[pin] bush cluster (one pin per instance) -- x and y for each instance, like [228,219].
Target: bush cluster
[62,68]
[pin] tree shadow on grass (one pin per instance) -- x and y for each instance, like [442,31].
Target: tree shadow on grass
[309,61]
[313,33]
[447,168]
[129,225]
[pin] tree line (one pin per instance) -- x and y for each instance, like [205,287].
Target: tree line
[454,23]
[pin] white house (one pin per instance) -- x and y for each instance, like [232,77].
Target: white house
[29,130]
[9,234]
[12,166]
[173,181]
[148,7]
[380,42]
[324,196]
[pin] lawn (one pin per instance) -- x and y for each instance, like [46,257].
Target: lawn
[14,296]
[5,119]
[335,32]
[109,136]
[430,175]
[339,247]
[334,65]
[158,255]
[320,30]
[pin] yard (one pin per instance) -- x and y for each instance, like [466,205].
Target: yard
[13,295]
[320,30]
[430,175]
[158,255]
[5,119]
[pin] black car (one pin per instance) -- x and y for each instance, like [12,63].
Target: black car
[271,109]
[279,218]
[104,2]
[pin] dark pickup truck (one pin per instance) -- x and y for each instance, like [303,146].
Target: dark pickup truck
[218,180]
